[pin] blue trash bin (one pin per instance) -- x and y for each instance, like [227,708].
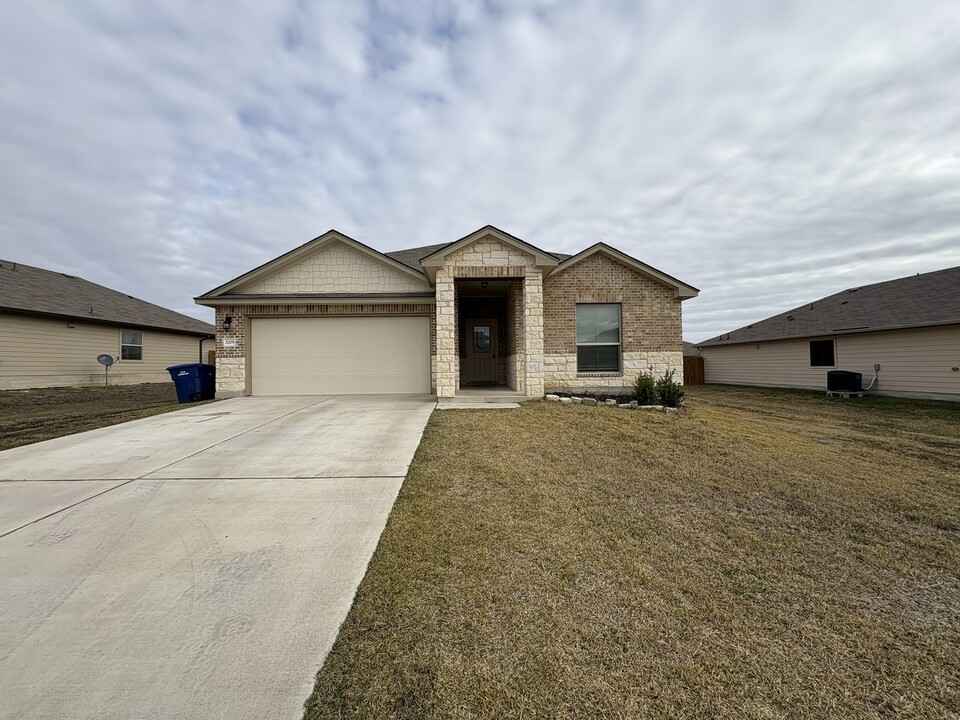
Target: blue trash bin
[194,381]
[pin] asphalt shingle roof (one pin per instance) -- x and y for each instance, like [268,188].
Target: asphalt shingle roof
[411,257]
[690,350]
[916,301]
[34,290]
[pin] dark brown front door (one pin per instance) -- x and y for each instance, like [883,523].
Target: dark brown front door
[481,361]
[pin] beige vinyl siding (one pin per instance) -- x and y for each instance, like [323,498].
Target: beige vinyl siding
[917,362]
[44,352]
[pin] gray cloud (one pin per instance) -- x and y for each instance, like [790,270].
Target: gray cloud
[766,153]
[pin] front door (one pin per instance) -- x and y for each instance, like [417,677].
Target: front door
[481,360]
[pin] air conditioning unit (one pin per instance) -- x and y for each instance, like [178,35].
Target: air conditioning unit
[844,381]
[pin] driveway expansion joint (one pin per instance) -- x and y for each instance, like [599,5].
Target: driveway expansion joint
[202,573]
[233,437]
[68,507]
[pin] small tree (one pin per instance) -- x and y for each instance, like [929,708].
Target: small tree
[645,389]
[669,393]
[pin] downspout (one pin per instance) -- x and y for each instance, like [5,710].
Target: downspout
[200,348]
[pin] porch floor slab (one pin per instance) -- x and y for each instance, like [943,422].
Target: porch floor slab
[457,404]
[486,394]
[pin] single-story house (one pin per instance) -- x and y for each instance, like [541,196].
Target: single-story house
[691,350]
[54,326]
[337,316]
[910,327]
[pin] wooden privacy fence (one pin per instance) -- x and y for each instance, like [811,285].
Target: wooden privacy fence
[693,370]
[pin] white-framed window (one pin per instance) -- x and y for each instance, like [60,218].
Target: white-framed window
[823,353]
[598,338]
[131,345]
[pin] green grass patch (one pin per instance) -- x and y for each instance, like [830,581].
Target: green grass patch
[770,555]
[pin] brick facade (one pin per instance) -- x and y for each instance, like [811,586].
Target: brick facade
[650,322]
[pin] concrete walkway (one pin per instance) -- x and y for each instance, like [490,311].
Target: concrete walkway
[196,564]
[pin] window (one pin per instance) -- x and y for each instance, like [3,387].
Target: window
[131,345]
[481,338]
[821,353]
[598,338]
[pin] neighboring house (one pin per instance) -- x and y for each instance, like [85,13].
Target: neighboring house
[691,350]
[910,327]
[53,326]
[336,316]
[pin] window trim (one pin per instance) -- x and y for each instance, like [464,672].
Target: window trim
[618,345]
[833,343]
[129,344]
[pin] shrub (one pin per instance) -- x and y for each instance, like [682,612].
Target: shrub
[669,393]
[645,389]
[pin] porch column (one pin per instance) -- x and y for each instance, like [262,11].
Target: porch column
[533,332]
[446,379]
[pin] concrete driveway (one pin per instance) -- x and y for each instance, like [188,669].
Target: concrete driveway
[196,564]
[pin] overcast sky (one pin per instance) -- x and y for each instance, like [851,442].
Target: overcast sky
[768,153]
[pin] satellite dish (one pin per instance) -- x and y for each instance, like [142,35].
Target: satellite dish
[105,360]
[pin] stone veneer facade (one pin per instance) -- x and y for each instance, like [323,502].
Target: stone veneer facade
[337,268]
[490,258]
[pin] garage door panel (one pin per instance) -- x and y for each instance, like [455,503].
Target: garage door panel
[303,356]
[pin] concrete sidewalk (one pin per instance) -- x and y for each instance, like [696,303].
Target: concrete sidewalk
[194,564]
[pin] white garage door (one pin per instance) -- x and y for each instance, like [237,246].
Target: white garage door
[319,356]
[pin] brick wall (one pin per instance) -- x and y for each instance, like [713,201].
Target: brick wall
[650,331]
[650,312]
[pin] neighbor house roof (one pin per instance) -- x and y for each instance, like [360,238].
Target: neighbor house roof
[690,350]
[32,290]
[916,301]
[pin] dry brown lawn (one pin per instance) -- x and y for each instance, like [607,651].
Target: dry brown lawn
[29,416]
[773,554]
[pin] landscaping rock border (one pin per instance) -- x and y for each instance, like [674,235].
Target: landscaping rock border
[565,399]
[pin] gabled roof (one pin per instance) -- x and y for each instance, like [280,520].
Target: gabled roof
[304,250]
[411,257]
[683,290]
[921,300]
[542,259]
[35,291]
[422,261]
